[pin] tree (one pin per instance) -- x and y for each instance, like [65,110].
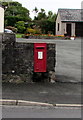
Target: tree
[51,17]
[47,26]
[46,22]
[35,10]
[14,12]
[41,15]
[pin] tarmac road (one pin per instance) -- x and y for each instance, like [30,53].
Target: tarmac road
[68,72]
[68,68]
[40,112]
[68,58]
[57,93]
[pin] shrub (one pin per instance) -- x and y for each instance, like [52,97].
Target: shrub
[12,28]
[20,26]
[33,31]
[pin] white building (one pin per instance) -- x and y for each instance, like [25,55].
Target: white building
[1,19]
[69,22]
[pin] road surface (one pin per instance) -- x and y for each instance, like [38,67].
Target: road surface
[40,112]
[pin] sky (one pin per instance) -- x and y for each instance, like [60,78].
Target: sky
[49,5]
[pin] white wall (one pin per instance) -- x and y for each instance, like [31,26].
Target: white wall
[73,29]
[58,20]
[1,20]
[63,29]
[62,26]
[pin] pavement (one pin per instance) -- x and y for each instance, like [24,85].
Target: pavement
[30,103]
[42,94]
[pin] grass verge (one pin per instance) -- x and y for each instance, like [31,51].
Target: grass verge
[19,35]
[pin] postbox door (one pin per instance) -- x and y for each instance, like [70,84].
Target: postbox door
[40,53]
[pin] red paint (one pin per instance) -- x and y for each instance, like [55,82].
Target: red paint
[40,57]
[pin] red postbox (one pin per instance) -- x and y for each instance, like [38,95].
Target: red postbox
[40,56]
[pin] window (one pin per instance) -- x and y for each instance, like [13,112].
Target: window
[58,26]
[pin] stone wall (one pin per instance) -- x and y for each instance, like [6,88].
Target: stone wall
[18,61]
